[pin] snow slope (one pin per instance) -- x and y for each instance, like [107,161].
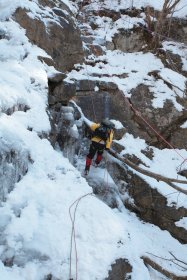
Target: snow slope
[35,224]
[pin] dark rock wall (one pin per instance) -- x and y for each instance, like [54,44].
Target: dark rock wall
[60,40]
[120,270]
[148,203]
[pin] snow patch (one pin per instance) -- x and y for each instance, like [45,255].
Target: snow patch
[182,223]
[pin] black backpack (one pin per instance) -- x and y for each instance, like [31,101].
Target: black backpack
[102,132]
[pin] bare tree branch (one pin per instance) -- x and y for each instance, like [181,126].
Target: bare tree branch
[172,7]
[178,259]
[171,260]
[156,176]
[161,27]
[165,272]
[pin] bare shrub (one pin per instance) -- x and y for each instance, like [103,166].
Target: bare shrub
[161,25]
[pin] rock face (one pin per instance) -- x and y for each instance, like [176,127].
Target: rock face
[110,102]
[148,204]
[60,92]
[128,41]
[59,37]
[167,126]
[121,270]
[177,139]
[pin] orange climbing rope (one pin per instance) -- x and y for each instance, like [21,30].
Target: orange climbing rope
[73,236]
[156,132]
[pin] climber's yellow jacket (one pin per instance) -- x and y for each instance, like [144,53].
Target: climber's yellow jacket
[97,139]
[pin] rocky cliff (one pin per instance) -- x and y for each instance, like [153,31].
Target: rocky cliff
[104,59]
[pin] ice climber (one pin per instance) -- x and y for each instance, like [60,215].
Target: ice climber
[101,140]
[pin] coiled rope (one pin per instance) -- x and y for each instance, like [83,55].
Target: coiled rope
[73,235]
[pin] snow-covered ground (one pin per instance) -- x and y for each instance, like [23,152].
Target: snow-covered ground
[35,225]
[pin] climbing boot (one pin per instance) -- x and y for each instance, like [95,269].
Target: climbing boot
[98,160]
[95,164]
[86,172]
[88,163]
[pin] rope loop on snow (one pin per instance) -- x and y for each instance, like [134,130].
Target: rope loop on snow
[73,237]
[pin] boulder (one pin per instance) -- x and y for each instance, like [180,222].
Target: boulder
[165,120]
[120,270]
[61,40]
[128,40]
[60,92]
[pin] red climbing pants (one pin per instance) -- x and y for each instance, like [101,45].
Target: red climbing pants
[94,148]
